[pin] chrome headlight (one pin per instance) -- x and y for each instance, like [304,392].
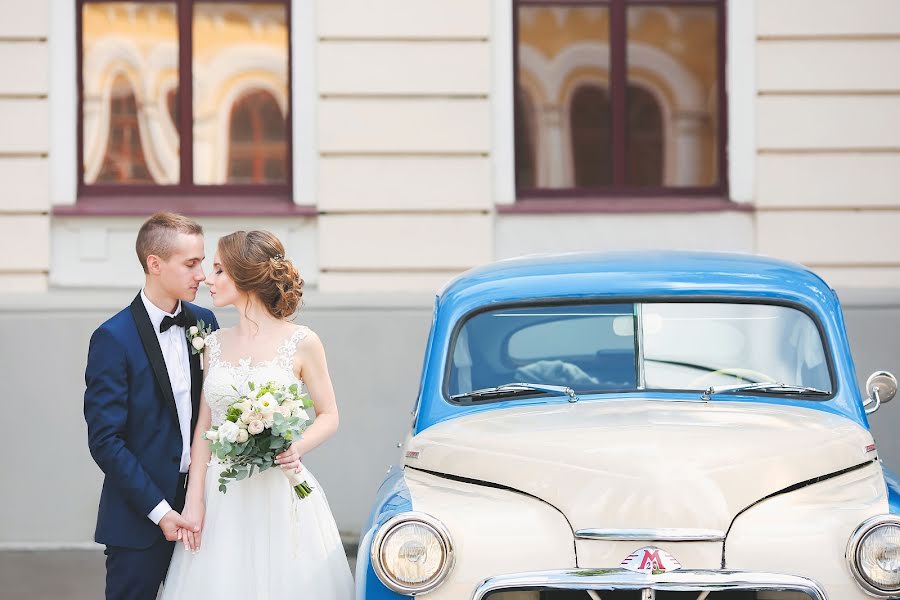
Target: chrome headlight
[874,555]
[412,553]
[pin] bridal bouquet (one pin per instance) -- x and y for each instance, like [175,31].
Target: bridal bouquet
[260,422]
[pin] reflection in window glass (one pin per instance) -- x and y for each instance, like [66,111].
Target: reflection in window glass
[589,347]
[591,137]
[564,51]
[594,347]
[645,131]
[130,60]
[240,59]
[672,74]
[694,346]
[258,149]
[525,159]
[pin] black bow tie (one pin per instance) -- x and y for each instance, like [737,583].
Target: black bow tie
[180,319]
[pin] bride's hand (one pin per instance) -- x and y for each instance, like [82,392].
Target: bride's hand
[290,459]
[194,511]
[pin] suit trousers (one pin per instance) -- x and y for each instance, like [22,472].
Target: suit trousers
[137,574]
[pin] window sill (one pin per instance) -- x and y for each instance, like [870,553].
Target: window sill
[622,204]
[194,206]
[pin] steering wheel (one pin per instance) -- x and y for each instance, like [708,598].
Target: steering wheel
[748,375]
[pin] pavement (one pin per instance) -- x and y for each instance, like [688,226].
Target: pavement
[61,574]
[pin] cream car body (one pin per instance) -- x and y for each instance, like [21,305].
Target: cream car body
[651,486]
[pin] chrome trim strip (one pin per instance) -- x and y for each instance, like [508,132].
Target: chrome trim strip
[620,579]
[652,535]
[429,521]
[639,341]
[853,544]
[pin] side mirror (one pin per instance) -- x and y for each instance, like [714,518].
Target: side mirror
[881,387]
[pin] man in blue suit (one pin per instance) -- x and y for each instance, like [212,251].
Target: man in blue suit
[141,405]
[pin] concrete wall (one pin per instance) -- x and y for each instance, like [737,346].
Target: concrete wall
[49,480]
[374,344]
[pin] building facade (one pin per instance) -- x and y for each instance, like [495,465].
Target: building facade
[394,144]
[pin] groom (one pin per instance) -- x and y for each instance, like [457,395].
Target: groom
[141,404]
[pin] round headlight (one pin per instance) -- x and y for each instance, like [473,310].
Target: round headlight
[411,553]
[874,555]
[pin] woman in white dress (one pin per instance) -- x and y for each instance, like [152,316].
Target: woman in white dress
[259,541]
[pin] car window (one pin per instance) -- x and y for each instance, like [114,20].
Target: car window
[630,346]
[588,347]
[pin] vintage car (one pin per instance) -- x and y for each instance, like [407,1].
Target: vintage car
[633,426]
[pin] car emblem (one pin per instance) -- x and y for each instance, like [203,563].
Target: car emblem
[652,560]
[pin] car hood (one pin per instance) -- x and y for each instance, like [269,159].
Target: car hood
[637,464]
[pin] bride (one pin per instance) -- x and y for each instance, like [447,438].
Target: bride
[259,540]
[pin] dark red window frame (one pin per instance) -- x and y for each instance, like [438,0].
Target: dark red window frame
[620,197]
[184,197]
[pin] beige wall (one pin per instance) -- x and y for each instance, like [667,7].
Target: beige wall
[404,131]
[24,146]
[410,149]
[828,116]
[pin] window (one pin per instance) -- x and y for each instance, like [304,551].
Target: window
[619,98]
[626,347]
[184,96]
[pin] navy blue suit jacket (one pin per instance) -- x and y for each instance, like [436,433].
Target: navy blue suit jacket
[133,431]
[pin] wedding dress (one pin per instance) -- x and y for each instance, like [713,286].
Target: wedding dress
[260,541]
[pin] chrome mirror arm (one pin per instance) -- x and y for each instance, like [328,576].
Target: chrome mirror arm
[873,403]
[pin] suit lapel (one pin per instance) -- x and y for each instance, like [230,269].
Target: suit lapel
[154,352]
[196,371]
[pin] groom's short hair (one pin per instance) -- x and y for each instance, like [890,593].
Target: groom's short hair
[157,235]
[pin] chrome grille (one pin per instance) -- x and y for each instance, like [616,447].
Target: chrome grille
[644,595]
[620,584]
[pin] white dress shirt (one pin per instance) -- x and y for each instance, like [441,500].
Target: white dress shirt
[173,344]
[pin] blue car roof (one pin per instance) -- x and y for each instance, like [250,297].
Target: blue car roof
[635,275]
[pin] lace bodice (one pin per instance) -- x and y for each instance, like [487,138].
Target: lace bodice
[224,377]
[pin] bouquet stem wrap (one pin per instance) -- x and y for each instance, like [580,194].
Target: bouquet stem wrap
[298,483]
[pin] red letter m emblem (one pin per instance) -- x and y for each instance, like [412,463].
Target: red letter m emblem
[651,560]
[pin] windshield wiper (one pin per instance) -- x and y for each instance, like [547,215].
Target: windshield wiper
[517,389]
[766,387]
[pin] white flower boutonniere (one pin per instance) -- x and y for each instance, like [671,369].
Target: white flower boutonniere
[196,336]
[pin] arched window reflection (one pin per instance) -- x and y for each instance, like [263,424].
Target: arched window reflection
[591,136]
[123,161]
[525,142]
[257,144]
[646,142]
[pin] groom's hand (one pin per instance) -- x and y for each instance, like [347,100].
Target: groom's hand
[172,522]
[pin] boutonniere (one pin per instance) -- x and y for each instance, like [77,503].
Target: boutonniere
[196,336]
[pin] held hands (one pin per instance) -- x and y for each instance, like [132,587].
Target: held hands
[173,524]
[194,513]
[290,459]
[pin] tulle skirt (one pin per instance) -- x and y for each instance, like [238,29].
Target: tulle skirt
[261,542]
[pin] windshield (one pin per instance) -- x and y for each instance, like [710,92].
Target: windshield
[633,346]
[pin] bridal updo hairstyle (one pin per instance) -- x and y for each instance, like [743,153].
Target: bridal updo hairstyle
[256,263]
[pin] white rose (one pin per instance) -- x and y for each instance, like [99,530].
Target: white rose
[284,410]
[229,431]
[193,330]
[249,416]
[198,343]
[242,436]
[212,435]
[256,426]
[304,416]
